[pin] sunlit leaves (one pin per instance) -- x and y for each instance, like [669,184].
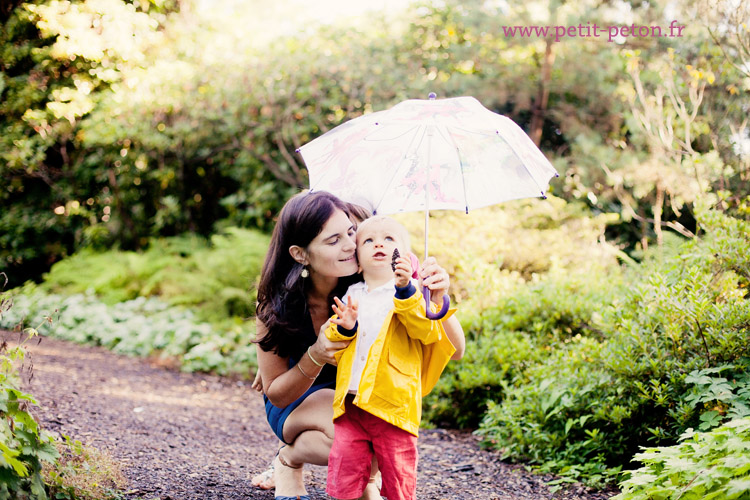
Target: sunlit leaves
[712,465]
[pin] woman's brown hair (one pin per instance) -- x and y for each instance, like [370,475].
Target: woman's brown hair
[282,301]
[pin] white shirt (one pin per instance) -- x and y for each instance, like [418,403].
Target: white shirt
[374,306]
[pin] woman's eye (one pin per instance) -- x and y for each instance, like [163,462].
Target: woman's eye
[334,241]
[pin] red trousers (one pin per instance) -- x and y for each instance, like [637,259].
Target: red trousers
[358,436]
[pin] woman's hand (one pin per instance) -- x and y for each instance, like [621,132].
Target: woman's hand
[258,382]
[323,350]
[435,278]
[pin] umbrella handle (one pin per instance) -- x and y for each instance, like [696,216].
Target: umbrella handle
[442,312]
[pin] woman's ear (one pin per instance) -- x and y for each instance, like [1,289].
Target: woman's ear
[298,254]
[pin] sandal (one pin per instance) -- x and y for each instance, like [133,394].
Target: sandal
[261,480]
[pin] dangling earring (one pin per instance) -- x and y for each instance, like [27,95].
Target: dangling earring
[305,273]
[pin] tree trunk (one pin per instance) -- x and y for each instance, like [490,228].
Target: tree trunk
[658,209]
[540,108]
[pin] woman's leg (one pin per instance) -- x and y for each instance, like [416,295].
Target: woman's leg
[310,430]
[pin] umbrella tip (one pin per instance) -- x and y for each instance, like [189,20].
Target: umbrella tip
[557,175]
[432,96]
[296,150]
[544,196]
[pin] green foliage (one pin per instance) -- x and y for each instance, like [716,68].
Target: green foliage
[54,60]
[525,327]
[713,465]
[24,446]
[584,410]
[720,397]
[122,122]
[461,395]
[215,279]
[140,327]
[82,472]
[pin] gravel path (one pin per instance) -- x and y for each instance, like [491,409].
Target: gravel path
[185,436]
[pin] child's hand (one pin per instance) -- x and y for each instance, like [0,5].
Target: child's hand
[346,314]
[403,271]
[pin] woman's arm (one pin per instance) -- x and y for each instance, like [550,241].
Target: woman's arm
[283,385]
[455,334]
[437,280]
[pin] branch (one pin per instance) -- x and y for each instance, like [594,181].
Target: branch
[285,153]
[277,172]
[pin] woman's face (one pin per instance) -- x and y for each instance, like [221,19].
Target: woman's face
[333,252]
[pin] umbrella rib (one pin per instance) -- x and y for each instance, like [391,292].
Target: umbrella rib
[523,163]
[460,162]
[513,148]
[388,187]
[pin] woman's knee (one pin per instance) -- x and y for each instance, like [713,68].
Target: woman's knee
[314,414]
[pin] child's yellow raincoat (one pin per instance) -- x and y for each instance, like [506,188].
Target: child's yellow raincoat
[403,365]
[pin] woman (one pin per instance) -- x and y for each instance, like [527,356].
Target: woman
[310,260]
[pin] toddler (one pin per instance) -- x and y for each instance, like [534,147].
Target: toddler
[396,356]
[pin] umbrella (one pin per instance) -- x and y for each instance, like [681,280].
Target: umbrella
[435,154]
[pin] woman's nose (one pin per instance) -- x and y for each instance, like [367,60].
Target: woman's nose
[350,243]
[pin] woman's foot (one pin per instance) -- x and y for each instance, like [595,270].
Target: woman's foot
[288,478]
[264,480]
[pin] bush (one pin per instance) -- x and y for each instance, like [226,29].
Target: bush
[516,334]
[82,472]
[24,446]
[215,278]
[140,327]
[585,410]
[706,466]
[491,250]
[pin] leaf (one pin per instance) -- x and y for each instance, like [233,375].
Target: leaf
[642,480]
[9,457]
[47,452]
[736,488]
[709,419]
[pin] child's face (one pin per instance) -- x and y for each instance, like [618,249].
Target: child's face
[375,244]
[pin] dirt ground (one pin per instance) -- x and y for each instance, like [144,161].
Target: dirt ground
[180,436]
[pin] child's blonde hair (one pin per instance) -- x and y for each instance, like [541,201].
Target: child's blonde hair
[400,230]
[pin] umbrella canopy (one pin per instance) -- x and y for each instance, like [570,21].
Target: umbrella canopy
[446,154]
[432,154]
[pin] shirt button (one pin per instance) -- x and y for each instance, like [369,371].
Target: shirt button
[362,358]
